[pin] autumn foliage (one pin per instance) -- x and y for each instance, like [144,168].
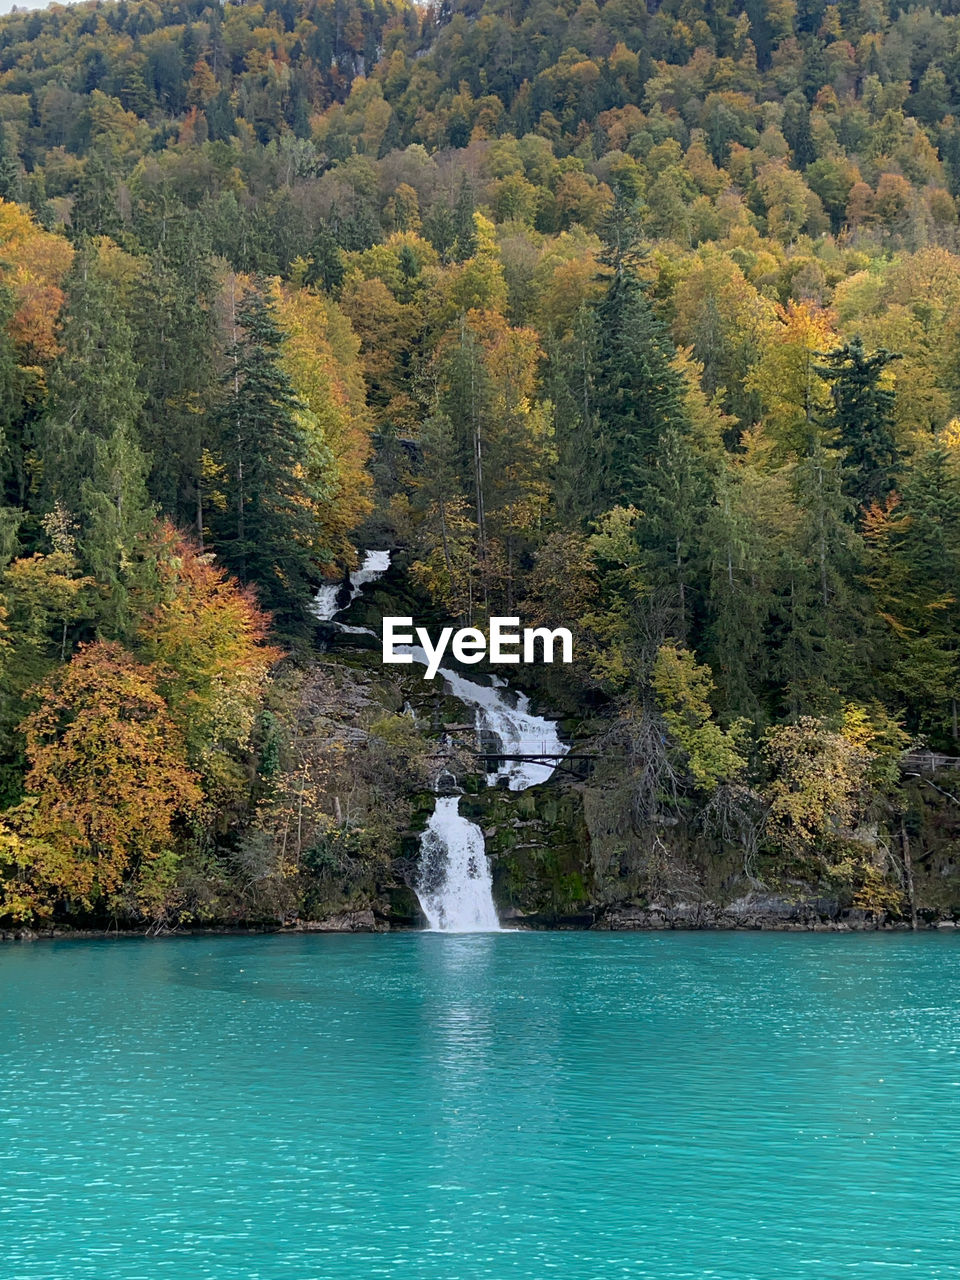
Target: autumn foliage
[109,778]
[207,643]
[641,317]
[33,265]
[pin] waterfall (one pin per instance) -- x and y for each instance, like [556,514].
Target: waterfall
[453,882]
[453,879]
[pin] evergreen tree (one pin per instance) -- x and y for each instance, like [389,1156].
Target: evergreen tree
[621,232]
[359,229]
[221,121]
[914,571]
[9,168]
[175,350]
[638,396]
[448,570]
[636,393]
[88,446]
[821,641]
[326,267]
[267,533]
[796,130]
[439,229]
[93,386]
[569,385]
[675,497]
[94,211]
[737,597]
[862,420]
[11,460]
[117,518]
[464,228]
[614,390]
[468,403]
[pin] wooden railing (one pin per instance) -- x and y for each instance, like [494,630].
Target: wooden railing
[928,762]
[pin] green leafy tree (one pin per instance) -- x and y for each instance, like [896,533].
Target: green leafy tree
[683,688]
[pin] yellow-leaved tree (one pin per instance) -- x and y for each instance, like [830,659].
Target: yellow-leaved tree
[792,394]
[683,687]
[33,264]
[823,780]
[321,358]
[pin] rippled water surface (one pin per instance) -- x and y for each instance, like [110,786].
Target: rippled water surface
[507,1105]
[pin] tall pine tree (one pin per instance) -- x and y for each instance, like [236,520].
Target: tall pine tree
[268,532]
[820,641]
[88,446]
[638,395]
[914,569]
[464,227]
[11,465]
[175,346]
[862,420]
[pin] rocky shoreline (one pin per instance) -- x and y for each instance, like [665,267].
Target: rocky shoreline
[768,913]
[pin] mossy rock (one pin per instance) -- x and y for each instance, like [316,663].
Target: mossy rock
[403,906]
[537,843]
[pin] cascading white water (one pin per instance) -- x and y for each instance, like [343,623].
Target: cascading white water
[507,716]
[373,566]
[453,882]
[453,878]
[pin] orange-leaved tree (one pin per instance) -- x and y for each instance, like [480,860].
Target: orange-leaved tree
[109,773]
[208,639]
[34,265]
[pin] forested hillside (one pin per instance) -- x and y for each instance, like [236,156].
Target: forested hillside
[642,319]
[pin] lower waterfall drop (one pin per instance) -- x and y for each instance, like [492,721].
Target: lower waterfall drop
[453,879]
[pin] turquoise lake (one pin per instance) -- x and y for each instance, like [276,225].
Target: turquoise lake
[745,1106]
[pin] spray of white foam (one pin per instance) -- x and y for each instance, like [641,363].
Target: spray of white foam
[506,716]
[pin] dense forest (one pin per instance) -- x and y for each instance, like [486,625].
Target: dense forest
[639,318]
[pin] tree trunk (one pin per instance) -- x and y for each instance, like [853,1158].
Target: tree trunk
[681,586]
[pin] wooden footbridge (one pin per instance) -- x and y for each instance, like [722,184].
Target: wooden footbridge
[580,763]
[577,763]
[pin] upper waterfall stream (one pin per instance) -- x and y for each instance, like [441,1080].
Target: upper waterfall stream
[373,566]
[453,882]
